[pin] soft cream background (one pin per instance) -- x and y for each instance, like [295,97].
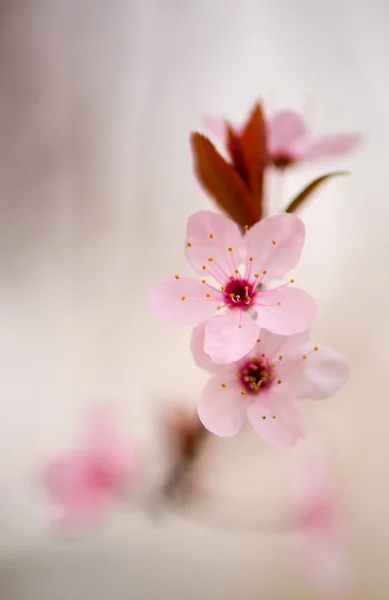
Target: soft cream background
[96,103]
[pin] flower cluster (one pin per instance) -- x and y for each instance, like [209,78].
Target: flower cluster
[250,334]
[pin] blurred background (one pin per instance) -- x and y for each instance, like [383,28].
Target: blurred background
[97,100]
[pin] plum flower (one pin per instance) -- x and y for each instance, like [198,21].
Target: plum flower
[317,519]
[229,295]
[84,481]
[290,141]
[265,385]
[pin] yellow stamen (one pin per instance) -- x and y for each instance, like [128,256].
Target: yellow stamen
[189,244]
[211,235]
[183,297]
[224,385]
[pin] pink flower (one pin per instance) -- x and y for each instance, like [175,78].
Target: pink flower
[264,386]
[227,296]
[84,481]
[290,141]
[315,501]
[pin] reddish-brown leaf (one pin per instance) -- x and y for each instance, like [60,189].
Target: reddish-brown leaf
[299,200]
[253,150]
[221,181]
[236,154]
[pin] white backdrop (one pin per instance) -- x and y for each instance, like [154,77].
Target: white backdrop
[97,100]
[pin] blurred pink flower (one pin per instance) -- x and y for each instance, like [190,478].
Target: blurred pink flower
[290,141]
[317,519]
[264,386]
[84,481]
[233,305]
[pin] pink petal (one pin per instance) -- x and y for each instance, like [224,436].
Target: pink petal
[216,126]
[201,359]
[288,231]
[287,427]
[66,481]
[105,442]
[295,313]
[312,490]
[166,300]
[327,145]
[222,409]
[273,344]
[324,373]
[284,128]
[210,235]
[230,336]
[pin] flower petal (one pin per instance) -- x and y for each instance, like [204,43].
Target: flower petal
[287,427]
[230,336]
[284,128]
[288,231]
[273,344]
[324,373]
[222,409]
[166,300]
[202,359]
[66,481]
[105,442]
[295,313]
[216,126]
[209,235]
[326,145]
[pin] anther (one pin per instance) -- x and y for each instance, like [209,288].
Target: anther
[274,416]
[316,348]
[254,368]
[232,295]
[273,242]
[203,281]
[292,281]
[279,381]
[248,299]
[239,326]
[246,227]
[203,267]
[238,374]
[236,271]
[263,418]
[246,287]
[264,272]
[251,258]
[230,249]
[237,297]
[177,276]
[256,275]
[263,356]
[208,295]
[258,341]
[220,307]
[305,356]
[183,297]
[211,235]
[189,244]
[224,385]
[222,288]
[243,392]
[278,303]
[210,259]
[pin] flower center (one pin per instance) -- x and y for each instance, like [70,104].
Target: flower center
[239,293]
[282,159]
[256,375]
